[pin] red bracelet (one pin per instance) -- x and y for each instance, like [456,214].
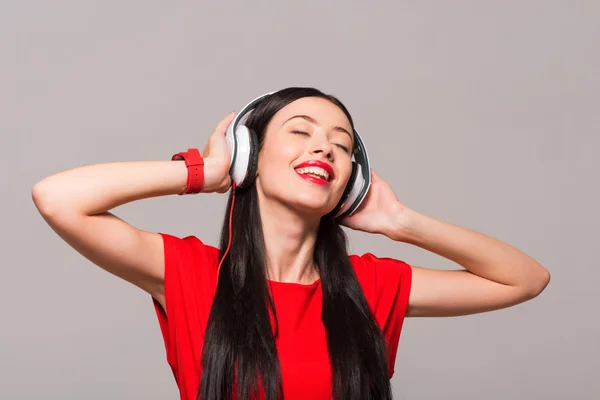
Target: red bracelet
[195,166]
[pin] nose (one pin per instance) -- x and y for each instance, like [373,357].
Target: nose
[320,145]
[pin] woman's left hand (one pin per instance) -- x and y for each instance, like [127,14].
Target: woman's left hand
[380,212]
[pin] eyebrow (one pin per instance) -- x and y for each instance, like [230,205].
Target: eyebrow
[314,121]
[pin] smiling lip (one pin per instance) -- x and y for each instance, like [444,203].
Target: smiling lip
[320,164]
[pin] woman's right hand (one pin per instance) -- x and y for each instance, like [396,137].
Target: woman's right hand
[217,159]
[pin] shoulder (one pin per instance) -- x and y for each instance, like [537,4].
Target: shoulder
[381,276]
[369,266]
[188,247]
[189,261]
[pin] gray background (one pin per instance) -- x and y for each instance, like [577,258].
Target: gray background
[484,114]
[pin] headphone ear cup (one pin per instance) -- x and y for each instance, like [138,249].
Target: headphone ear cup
[252,161]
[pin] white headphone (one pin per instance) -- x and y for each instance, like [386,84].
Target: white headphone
[243,150]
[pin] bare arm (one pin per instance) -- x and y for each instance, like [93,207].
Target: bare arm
[76,204]
[496,275]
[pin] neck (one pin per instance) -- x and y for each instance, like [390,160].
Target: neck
[289,243]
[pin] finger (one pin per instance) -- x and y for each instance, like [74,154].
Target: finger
[222,126]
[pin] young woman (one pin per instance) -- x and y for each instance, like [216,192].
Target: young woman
[282,309]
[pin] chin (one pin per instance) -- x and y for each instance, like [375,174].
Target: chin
[311,205]
[310,202]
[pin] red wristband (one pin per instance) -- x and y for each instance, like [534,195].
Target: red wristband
[195,166]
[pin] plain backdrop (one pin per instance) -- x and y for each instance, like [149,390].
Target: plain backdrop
[485,114]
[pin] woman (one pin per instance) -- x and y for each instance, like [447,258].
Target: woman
[283,309]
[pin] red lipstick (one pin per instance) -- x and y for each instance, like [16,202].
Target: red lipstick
[319,164]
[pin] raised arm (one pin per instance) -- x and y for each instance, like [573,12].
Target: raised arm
[495,275]
[76,203]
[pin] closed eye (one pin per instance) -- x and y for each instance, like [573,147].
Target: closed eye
[343,148]
[307,134]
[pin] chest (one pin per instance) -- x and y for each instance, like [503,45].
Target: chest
[302,347]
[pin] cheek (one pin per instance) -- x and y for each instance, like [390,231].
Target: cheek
[274,163]
[345,173]
[277,154]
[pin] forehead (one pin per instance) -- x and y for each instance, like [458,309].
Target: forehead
[322,110]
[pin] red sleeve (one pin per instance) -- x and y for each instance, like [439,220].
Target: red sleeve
[190,280]
[386,283]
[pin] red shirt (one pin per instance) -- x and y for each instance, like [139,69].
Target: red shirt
[190,281]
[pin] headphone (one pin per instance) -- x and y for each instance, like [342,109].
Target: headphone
[243,150]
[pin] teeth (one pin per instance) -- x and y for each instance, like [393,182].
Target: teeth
[314,170]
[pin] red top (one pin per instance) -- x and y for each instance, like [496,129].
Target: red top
[190,281]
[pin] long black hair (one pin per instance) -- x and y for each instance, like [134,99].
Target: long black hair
[239,342]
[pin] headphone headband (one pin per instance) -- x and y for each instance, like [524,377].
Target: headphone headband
[247,108]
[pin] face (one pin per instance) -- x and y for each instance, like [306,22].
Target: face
[306,157]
